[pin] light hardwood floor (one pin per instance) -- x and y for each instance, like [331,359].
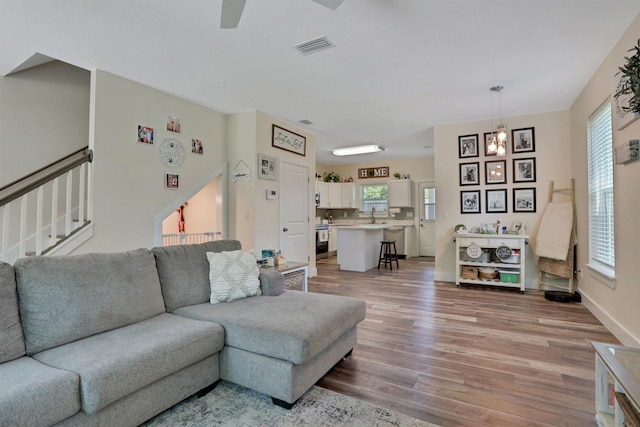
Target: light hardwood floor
[465,356]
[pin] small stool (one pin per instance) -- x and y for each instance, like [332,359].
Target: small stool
[386,256]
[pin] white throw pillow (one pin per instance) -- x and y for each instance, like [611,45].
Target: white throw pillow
[233,275]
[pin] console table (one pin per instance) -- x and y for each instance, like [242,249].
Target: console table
[617,385]
[490,242]
[295,274]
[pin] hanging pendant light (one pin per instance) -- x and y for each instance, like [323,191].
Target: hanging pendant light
[499,139]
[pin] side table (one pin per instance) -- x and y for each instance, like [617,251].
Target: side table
[295,273]
[617,385]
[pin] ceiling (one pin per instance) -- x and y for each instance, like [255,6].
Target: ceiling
[398,67]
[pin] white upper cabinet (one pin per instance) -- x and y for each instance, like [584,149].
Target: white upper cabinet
[336,195]
[323,189]
[348,195]
[399,193]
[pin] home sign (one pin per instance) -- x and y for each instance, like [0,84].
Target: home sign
[381,172]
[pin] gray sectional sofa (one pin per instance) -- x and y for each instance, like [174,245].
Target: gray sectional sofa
[115,339]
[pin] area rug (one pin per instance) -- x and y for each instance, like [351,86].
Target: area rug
[231,405]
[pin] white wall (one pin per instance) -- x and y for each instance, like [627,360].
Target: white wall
[255,220]
[553,157]
[130,200]
[616,308]
[44,115]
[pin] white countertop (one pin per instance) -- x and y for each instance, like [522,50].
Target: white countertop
[367,226]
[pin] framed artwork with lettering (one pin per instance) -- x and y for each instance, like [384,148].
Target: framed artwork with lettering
[287,140]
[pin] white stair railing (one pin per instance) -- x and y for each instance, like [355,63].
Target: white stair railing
[187,239]
[34,237]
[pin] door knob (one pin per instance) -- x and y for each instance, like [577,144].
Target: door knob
[285,229]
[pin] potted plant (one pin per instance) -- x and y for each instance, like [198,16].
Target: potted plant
[629,85]
[331,177]
[396,175]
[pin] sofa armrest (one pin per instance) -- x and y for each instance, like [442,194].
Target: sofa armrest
[271,282]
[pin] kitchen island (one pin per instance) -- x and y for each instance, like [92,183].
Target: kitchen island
[359,246]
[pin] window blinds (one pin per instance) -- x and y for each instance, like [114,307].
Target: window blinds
[600,157]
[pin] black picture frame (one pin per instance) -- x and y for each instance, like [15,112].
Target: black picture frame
[524,199]
[470,202]
[289,141]
[524,170]
[470,173]
[487,137]
[468,146]
[523,140]
[495,172]
[496,201]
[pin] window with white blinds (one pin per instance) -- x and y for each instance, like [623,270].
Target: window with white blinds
[600,157]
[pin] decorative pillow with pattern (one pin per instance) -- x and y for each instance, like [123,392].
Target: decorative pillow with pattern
[233,275]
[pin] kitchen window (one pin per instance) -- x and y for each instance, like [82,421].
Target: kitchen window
[373,196]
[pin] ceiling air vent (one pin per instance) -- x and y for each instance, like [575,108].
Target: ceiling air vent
[314,45]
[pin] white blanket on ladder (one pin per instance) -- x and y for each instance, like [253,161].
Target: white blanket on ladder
[554,233]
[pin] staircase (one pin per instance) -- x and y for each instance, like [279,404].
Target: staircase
[48,211]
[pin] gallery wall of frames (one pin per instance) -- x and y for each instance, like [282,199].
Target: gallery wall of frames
[483,173]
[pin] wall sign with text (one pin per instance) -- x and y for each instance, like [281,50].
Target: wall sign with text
[287,140]
[381,172]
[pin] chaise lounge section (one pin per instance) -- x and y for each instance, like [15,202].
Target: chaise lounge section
[279,343]
[115,339]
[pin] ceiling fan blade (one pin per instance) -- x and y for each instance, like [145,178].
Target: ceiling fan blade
[331,4]
[231,13]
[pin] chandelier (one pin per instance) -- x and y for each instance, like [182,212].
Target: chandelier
[498,139]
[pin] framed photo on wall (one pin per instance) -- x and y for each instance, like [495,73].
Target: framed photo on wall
[524,170]
[468,146]
[524,199]
[470,202]
[523,140]
[171,181]
[469,173]
[495,172]
[496,201]
[487,139]
[267,167]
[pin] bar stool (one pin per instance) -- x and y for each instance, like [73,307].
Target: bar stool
[386,256]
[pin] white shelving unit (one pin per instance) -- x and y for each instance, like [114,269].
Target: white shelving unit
[491,241]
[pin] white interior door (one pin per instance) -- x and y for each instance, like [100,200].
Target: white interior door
[427,206]
[294,212]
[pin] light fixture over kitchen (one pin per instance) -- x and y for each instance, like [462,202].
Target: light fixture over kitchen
[362,149]
[497,140]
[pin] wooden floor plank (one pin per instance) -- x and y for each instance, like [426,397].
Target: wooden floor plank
[467,356]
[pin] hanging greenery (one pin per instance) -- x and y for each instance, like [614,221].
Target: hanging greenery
[629,84]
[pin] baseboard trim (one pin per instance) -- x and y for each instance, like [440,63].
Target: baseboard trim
[624,336]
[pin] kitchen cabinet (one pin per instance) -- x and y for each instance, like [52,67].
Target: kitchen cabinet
[477,252]
[399,193]
[333,240]
[348,195]
[337,195]
[323,189]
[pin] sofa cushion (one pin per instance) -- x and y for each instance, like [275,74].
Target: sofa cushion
[116,363]
[295,326]
[233,275]
[184,271]
[10,328]
[66,298]
[34,394]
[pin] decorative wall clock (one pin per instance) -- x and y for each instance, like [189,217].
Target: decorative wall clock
[171,152]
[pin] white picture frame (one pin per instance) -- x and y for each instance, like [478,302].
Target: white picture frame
[267,167]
